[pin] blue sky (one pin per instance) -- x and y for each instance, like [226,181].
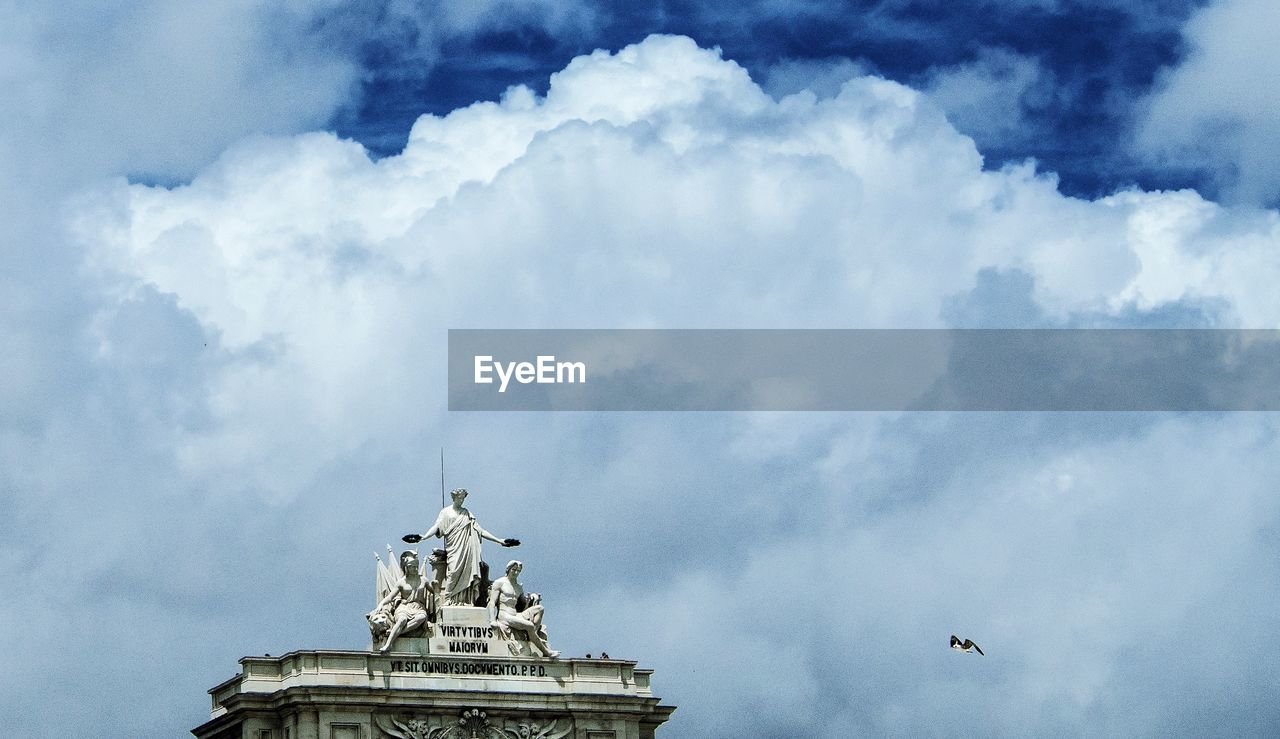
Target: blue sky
[1092,61]
[235,237]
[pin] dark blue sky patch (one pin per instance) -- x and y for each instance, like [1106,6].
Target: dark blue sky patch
[1099,59]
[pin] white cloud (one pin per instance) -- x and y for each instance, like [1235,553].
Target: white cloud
[1219,109]
[162,89]
[1098,605]
[647,188]
[256,369]
[1078,582]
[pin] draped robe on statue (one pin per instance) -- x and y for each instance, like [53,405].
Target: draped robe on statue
[462,542]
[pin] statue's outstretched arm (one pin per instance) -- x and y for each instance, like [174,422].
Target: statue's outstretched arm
[436,529]
[415,538]
[504,542]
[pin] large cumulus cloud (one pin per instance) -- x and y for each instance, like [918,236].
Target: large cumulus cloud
[261,393]
[658,186]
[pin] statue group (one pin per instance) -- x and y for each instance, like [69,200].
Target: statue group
[411,601]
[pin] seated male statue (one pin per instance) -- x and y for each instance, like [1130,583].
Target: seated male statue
[512,611]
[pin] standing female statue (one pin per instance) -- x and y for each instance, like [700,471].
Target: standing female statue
[462,535]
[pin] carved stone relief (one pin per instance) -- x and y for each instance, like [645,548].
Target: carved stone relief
[472,724]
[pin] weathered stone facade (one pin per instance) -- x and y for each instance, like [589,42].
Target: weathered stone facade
[326,694]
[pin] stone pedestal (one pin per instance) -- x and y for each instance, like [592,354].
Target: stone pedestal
[463,630]
[411,695]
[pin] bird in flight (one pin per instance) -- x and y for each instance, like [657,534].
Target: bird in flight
[965,646]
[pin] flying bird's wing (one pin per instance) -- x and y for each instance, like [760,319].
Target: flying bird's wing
[955,640]
[968,644]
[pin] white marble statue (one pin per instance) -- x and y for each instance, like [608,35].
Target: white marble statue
[404,607]
[462,535]
[504,601]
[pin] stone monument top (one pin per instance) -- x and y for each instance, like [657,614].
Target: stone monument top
[456,609]
[454,654]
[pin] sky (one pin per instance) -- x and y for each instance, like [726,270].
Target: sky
[234,237]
